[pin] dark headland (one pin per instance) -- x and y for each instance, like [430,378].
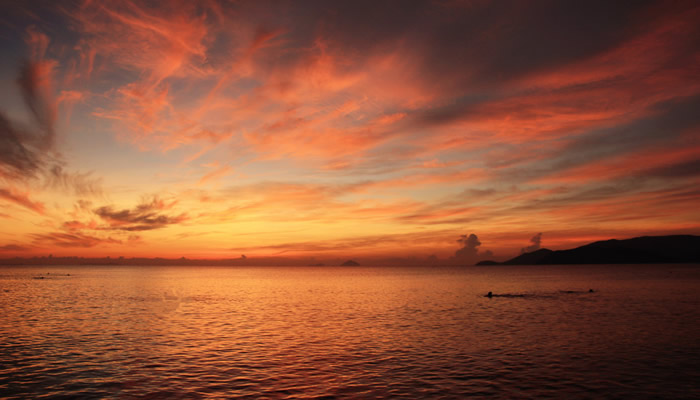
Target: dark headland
[639,250]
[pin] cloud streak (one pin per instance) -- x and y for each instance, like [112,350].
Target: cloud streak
[29,152]
[22,199]
[25,150]
[71,240]
[144,217]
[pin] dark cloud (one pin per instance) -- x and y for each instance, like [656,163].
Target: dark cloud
[146,216]
[35,84]
[456,47]
[687,169]
[81,184]
[25,151]
[459,109]
[485,42]
[469,252]
[678,194]
[536,242]
[525,37]
[566,196]
[28,152]
[13,248]
[470,246]
[667,122]
[20,157]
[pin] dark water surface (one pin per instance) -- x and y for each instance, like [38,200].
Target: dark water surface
[355,332]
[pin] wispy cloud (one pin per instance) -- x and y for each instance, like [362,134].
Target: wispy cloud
[77,240]
[29,152]
[14,248]
[146,216]
[21,199]
[26,150]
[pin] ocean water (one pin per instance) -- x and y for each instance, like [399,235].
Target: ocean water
[350,332]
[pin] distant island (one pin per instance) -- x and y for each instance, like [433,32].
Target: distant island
[639,250]
[350,263]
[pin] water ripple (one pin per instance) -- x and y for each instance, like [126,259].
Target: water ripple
[187,333]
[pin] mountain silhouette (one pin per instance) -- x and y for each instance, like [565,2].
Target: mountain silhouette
[639,250]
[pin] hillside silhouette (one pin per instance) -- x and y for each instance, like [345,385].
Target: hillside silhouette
[639,250]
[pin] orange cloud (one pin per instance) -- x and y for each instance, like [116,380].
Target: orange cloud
[22,199]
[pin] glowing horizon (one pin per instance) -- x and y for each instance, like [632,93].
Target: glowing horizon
[209,130]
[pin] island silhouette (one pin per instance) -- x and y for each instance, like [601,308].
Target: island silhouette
[639,250]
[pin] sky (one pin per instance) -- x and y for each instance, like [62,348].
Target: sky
[456,130]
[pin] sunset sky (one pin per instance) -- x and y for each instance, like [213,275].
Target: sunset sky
[345,129]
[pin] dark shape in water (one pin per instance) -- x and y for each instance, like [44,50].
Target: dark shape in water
[491,295]
[350,263]
[577,291]
[542,296]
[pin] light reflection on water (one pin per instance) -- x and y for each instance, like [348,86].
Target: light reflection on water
[194,332]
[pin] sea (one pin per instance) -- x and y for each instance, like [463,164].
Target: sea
[144,332]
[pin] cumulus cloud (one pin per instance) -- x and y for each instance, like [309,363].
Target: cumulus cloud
[470,246]
[535,244]
[469,252]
